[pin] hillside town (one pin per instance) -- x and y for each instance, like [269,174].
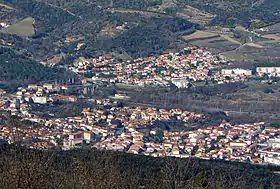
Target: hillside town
[181,69]
[108,124]
[192,64]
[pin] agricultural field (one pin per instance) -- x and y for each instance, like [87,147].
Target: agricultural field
[226,37]
[237,56]
[271,29]
[214,38]
[200,35]
[212,41]
[256,45]
[272,36]
[254,52]
[239,44]
[195,15]
[21,28]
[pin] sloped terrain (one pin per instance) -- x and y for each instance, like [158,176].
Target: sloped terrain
[22,168]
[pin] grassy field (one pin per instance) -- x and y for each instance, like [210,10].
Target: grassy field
[255,52]
[21,28]
[226,37]
[195,15]
[272,36]
[238,56]
[213,39]
[261,47]
[200,35]
[217,43]
[256,45]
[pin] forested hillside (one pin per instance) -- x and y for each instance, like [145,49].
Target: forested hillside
[143,34]
[22,168]
[149,38]
[240,11]
[16,70]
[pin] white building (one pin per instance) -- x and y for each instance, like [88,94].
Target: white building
[272,158]
[236,71]
[180,83]
[3,25]
[33,86]
[87,137]
[39,100]
[274,143]
[268,70]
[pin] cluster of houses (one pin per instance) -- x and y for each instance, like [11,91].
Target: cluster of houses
[242,142]
[189,65]
[142,130]
[109,126]
[20,102]
[134,130]
[95,126]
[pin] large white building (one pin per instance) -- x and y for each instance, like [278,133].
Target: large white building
[180,83]
[268,70]
[274,143]
[272,158]
[236,71]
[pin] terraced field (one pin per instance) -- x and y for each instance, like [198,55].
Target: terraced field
[212,40]
[195,15]
[200,35]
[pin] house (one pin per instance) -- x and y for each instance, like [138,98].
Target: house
[63,98]
[33,86]
[175,150]
[2,92]
[48,86]
[238,144]
[180,83]
[39,99]
[87,136]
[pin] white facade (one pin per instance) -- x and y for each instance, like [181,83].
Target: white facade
[272,160]
[87,136]
[237,71]
[268,70]
[39,100]
[274,143]
[180,83]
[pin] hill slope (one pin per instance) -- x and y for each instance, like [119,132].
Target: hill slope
[16,70]
[22,168]
[241,11]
